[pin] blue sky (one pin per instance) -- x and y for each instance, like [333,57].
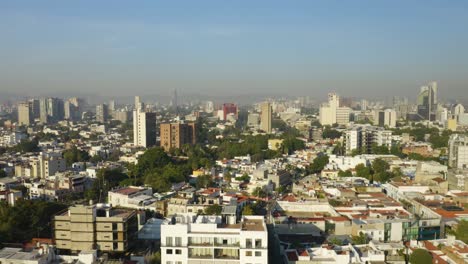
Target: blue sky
[369,48]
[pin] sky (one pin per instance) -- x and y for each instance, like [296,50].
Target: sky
[373,48]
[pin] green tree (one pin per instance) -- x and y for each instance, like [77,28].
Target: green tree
[214,209]
[151,159]
[420,256]
[331,133]
[155,258]
[359,240]
[204,181]
[363,171]
[259,192]
[380,165]
[3,173]
[75,155]
[346,173]
[248,210]
[461,232]
[318,164]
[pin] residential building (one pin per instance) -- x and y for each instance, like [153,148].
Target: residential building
[363,137]
[331,112]
[458,151]
[144,125]
[266,117]
[25,115]
[99,226]
[175,135]
[102,113]
[190,238]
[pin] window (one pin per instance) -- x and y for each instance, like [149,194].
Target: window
[178,251]
[258,243]
[169,241]
[178,241]
[115,246]
[258,253]
[169,251]
[248,253]
[168,262]
[248,243]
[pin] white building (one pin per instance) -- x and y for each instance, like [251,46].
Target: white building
[131,197]
[362,137]
[385,118]
[144,126]
[458,151]
[208,239]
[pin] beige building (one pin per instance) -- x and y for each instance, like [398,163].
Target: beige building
[99,227]
[175,135]
[24,114]
[265,119]
[331,112]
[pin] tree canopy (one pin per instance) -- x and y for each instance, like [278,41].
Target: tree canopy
[420,256]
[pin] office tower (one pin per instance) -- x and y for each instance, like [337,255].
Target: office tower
[427,101]
[195,238]
[111,106]
[458,151]
[266,116]
[364,104]
[174,102]
[91,227]
[458,109]
[362,137]
[209,107]
[102,113]
[35,108]
[25,117]
[229,108]
[331,112]
[144,126]
[385,117]
[51,110]
[175,135]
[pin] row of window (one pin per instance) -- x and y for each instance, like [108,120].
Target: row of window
[170,251]
[250,254]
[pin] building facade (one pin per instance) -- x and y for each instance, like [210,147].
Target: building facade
[175,135]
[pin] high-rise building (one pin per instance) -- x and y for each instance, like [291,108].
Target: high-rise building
[229,108]
[190,238]
[427,101]
[35,108]
[385,117]
[102,113]
[363,137]
[92,227]
[144,126]
[266,117]
[458,151]
[111,106]
[25,116]
[331,112]
[175,135]
[51,110]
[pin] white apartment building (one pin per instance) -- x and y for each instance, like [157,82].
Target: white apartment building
[458,151]
[193,239]
[385,118]
[144,126]
[362,137]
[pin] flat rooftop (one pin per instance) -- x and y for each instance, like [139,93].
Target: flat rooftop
[253,225]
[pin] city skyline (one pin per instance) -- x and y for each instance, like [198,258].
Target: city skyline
[364,48]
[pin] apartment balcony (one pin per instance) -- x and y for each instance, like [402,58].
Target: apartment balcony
[196,256]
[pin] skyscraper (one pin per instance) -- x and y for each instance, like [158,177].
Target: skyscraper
[102,113]
[24,114]
[266,116]
[229,108]
[427,101]
[144,126]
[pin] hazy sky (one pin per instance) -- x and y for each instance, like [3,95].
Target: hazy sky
[358,48]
